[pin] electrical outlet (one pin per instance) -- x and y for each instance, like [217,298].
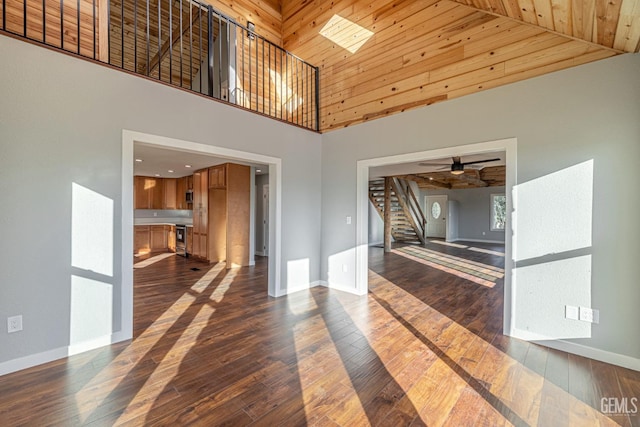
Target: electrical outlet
[348,220]
[14,324]
[344,268]
[571,312]
[589,315]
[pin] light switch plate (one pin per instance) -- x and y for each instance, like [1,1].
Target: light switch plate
[571,312]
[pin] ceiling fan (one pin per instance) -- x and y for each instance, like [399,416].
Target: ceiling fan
[457,167]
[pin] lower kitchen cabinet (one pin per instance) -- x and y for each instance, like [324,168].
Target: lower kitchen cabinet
[154,238]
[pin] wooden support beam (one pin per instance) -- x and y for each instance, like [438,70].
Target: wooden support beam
[427,181]
[387,214]
[472,177]
[175,38]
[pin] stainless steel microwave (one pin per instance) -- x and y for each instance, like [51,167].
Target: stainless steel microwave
[189,197]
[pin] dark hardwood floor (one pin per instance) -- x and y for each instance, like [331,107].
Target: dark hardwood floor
[423,348]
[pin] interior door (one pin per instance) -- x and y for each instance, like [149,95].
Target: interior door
[436,216]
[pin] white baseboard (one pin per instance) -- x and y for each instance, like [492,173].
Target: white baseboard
[462,239]
[261,253]
[341,288]
[298,288]
[376,243]
[32,360]
[593,353]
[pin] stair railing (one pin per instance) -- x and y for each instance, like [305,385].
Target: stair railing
[409,203]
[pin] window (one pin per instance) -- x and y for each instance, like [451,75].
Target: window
[498,211]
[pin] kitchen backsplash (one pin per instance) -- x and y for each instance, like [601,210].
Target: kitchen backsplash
[162,213]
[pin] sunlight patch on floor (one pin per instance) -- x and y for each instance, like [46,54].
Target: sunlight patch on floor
[487,251]
[92,395]
[206,280]
[223,286]
[168,368]
[480,274]
[510,392]
[147,262]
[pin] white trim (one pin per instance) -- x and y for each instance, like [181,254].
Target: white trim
[275,210]
[342,288]
[36,359]
[303,287]
[462,239]
[381,242]
[508,145]
[260,253]
[593,353]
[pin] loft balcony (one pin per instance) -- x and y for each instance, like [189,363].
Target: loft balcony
[183,43]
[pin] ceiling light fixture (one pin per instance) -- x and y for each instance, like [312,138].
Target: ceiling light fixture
[157,174]
[170,171]
[258,170]
[139,160]
[187,166]
[457,168]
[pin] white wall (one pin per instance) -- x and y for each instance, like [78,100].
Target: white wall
[61,122]
[564,119]
[474,211]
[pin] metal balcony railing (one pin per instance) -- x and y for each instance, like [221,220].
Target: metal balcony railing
[180,42]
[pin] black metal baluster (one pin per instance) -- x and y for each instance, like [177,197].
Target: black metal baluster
[148,41]
[210,50]
[24,18]
[191,46]
[317,103]
[250,88]
[135,36]
[109,30]
[170,42]
[270,95]
[219,41]
[263,81]
[122,33]
[200,45]
[159,40]
[282,94]
[61,24]
[44,20]
[242,50]
[93,26]
[180,43]
[78,19]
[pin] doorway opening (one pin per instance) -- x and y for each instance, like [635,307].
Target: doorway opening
[272,171]
[364,167]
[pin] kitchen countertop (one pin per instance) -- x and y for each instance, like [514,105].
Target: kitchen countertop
[163,221]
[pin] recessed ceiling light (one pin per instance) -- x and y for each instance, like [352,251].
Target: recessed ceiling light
[430,178]
[139,160]
[170,171]
[157,174]
[187,166]
[258,170]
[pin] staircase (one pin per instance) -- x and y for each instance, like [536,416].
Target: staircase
[404,228]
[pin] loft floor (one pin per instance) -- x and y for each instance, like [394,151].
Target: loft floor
[423,348]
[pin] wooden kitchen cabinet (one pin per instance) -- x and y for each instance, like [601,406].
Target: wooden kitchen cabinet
[218,176]
[169,193]
[229,216]
[148,192]
[141,239]
[190,240]
[181,193]
[200,213]
[171,237]
[158,238]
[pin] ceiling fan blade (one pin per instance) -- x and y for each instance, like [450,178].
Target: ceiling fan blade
[433,164]
[480,161]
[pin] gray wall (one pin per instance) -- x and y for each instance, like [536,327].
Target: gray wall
[61,122]
[474,212]
[563,119]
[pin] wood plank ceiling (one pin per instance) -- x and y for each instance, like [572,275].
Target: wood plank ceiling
[381,57]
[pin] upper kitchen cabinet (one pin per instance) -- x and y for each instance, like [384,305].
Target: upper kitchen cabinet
[218,176]
[148,192]
[169,186]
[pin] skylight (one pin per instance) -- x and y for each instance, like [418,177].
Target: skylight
[345,33]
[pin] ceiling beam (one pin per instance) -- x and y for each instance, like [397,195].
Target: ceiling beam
[426,181]
[472,177]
